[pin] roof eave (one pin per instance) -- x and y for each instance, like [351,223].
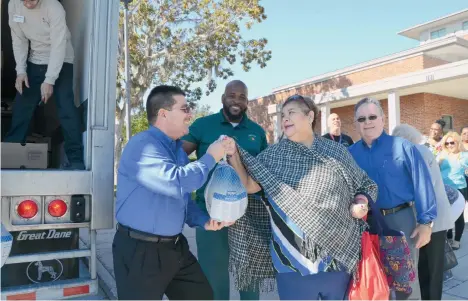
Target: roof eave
[365,65]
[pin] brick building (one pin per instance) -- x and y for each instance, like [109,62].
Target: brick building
[415,86]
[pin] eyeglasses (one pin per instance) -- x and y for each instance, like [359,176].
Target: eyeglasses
[186,110]
[450,143]
[295,97]
[298,97]
[363,118]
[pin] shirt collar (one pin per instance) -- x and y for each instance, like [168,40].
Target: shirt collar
[377,141]
[243,123]
[165,139]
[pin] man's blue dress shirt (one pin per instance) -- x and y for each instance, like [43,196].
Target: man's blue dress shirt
[399,171]
[154,184]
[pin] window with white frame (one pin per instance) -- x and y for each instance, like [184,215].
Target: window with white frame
[438,33]
[448,123]
[465,25]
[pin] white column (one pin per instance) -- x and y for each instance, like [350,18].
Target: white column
[324,113]
[275,118]
[393,110]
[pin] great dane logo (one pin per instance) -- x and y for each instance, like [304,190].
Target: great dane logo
[44,271]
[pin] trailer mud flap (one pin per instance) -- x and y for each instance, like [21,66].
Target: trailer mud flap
[46,271]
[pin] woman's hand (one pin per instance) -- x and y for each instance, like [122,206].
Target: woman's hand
[230,146]
[360,207]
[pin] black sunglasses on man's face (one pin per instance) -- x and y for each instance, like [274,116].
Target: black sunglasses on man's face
[363,118]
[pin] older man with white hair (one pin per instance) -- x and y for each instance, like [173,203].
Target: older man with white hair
[335,134]
[431,256]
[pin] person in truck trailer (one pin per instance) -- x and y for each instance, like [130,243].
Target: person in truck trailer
[44,65]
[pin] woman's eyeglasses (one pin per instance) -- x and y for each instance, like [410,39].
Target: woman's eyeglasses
[363,118]
[450,143]
[295,97]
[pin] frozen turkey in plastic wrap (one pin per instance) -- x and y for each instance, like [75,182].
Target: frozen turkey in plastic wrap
[225,195]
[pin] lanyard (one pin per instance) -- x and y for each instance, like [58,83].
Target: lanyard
[333,138]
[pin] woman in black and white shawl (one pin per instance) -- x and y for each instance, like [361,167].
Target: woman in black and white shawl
[317,196]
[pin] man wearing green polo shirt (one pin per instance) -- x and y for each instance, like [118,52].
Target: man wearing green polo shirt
[213,247]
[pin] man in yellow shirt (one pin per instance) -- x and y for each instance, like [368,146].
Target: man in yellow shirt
[44,65]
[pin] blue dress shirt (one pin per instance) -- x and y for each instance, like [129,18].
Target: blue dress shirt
[154,184]
[399,171]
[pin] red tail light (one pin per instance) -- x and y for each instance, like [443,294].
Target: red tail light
[57,208]
[27,209]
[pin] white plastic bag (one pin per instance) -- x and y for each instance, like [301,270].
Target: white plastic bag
[225,195]
[7,240]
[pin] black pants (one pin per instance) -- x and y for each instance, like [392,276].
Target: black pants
[459,228]
[431,267]
[147,270]
[459,223]
[25,104]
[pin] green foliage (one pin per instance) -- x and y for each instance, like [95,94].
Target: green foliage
[184,42]
[139,124]
[201,111]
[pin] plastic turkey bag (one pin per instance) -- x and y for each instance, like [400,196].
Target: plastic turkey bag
[225,195]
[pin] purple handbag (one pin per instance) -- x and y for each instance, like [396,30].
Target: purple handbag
[395,253]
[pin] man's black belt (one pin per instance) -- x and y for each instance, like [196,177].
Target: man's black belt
[395,209]
[147,236]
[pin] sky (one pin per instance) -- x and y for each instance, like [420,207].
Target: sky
[311,37]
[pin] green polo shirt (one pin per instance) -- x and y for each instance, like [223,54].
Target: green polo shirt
[206,130]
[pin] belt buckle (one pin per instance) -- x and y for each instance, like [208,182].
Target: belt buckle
[176,240]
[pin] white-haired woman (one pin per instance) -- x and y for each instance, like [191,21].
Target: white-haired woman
[431,256]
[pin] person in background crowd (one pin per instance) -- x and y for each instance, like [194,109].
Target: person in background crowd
[464,138]
[431,256]
[334,126]
[230,248]
[436,133]
[457,202]
[403,179]
[317,198]
[453,161]
[155,180]
[40,29]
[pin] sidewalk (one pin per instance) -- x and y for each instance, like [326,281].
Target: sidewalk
[454,289]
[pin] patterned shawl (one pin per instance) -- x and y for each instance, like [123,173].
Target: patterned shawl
[315,187]
[249,249]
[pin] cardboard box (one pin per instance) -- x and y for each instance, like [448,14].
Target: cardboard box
[28,155]
[37,139]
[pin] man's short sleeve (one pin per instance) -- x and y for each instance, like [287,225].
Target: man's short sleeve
[195,133]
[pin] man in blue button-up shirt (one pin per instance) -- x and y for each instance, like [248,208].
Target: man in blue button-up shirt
[399,171]
[155,181]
